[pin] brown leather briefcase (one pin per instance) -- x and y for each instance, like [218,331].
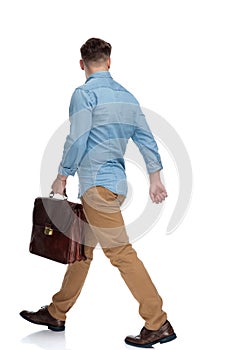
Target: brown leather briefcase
[57,230]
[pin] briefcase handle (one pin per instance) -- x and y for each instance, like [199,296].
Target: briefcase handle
[51,195]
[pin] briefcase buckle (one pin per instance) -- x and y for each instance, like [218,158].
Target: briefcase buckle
[48,231]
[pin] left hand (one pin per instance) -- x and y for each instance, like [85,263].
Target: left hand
[59,184]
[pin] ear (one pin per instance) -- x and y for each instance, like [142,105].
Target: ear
[81,64]
[109,62]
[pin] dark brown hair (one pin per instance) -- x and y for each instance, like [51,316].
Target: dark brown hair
[95,50]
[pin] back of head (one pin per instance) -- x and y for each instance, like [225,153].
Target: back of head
[95,52]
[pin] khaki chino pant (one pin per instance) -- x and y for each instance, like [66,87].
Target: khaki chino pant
[102,210]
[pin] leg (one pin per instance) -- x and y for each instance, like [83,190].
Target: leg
[71,287]
[139,283]
[54,315]
[102,209]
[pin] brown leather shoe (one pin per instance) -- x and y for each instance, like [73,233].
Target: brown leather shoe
[43,318]
[148,338]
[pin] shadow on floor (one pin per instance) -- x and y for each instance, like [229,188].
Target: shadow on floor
[47,340]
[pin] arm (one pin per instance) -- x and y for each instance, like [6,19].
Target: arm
[147,145]
[75,146]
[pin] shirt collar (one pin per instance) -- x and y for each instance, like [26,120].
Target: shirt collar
[100,74]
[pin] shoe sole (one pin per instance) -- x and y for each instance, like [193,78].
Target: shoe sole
[56,329]
[149,345]
[52,328]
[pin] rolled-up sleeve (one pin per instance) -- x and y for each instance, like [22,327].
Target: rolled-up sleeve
[146,143]
[80,113]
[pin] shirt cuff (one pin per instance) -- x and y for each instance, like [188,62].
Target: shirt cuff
[153,167]
[66,171]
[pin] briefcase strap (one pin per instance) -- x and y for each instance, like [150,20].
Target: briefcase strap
[51,195]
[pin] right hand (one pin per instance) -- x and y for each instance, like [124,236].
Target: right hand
[157,190]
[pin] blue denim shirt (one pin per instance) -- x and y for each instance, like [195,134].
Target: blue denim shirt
[103,117]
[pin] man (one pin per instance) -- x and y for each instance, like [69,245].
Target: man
[103,116]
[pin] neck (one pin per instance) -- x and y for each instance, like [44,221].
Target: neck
[92,70]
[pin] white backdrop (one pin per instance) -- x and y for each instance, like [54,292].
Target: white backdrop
[176,57]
